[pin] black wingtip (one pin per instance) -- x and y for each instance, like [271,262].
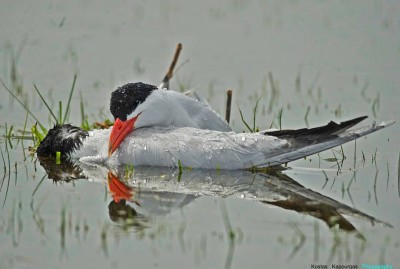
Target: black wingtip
[353,121]
[332,128]
[344,125]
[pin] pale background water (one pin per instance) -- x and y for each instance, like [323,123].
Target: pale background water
[339,58]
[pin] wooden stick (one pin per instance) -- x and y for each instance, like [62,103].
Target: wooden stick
[170,72]
[228,105]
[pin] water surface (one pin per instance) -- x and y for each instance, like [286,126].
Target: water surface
[311,61]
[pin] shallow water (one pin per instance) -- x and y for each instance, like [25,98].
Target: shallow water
[336,60]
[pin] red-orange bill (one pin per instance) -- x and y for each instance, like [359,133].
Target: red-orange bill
[118,189]
[120,130]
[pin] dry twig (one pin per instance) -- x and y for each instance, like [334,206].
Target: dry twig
[228,105]
[170,72]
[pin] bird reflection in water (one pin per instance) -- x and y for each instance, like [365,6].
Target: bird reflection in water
[65,171]
[162,193]
[119,190]
[119,210]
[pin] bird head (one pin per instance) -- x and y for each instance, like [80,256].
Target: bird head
[125,105]
[61,138]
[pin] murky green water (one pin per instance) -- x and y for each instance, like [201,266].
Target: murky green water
[313,61]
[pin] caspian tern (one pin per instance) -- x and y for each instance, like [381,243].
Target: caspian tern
[199,148]
[137,105]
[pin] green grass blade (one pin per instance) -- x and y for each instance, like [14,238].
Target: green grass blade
[69,98]
[4,162]
[60,112]
[38,185]
[37,135]
[84,119]
[280,119]
[254,114]
[180,170]
[245,123]
[26,121]
[45,103]
[10,132]
[21,103]
[44,130]
[58,157]
[9,168]
[398,175]
[306,115]
[5,170]
[82,109]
